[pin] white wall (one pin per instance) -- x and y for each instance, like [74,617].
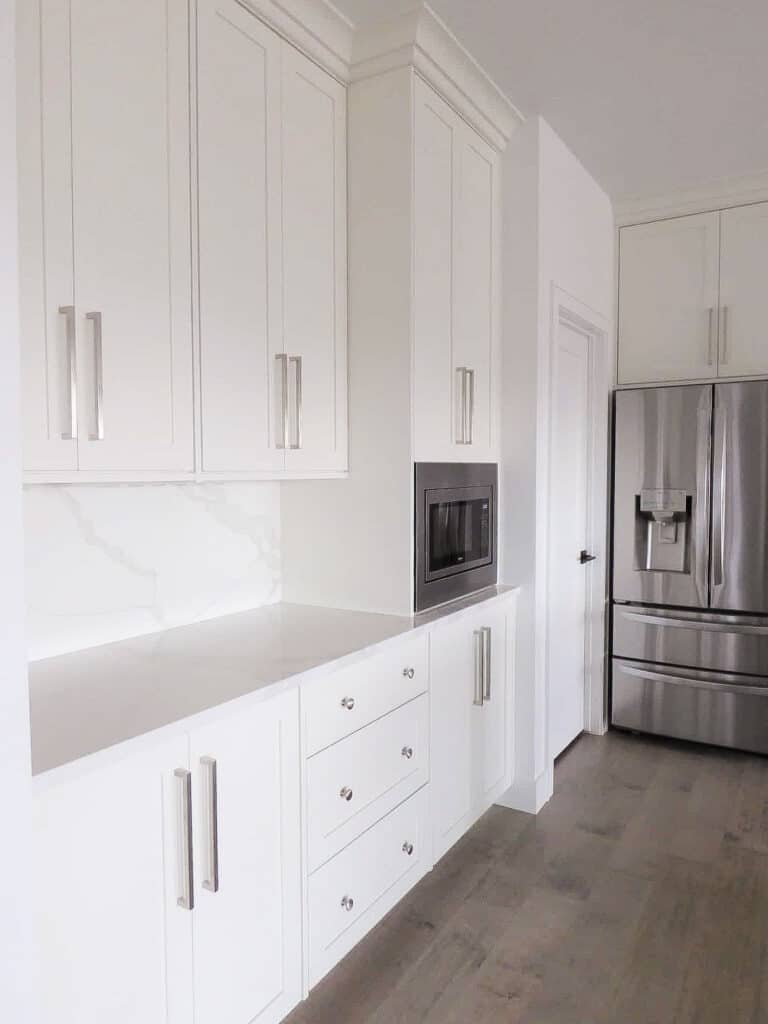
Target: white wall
[16,965]
[105,562]
[558,233]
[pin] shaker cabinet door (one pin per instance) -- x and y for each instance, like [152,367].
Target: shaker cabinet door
[743,343]
[240,248]
[115,944]
[668,298]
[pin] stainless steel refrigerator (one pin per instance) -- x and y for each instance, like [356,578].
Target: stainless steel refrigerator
[690,563]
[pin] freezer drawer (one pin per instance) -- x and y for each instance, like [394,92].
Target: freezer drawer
[725,709]
[704,640]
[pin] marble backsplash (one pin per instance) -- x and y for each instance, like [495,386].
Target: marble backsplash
[110,561]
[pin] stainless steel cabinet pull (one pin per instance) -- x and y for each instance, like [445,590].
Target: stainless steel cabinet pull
[409,673]
[69,313]
[186,898]
[348,703]
[98,375]
[282,363]
[479,648]
[470,392]
[408,848]
[487,661]
[461,405]
[296,362]
[407,753]
[211,881]
[724,335]
[346,793]
[711,337]
[347,903]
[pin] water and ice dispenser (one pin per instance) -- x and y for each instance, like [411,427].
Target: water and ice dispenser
[662,529]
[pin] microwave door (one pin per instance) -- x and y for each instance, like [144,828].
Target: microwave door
[740,498]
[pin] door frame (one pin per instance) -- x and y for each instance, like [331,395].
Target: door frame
[566,309]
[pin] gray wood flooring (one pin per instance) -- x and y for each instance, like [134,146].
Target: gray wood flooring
[639,895]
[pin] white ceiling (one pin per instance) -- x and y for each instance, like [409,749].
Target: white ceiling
[651,95]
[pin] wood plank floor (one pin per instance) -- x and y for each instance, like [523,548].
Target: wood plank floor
[639,895]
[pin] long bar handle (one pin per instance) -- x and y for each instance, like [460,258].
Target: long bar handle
[711,337]
[703,488]
[98,375]
[69,313]
[697,625]
[282,362]
[295,361]
[461,405]
[479,667]
[699,684]
[486,631]
[186,897]
[719,507]
[211,881]
[470,398]
[723,350]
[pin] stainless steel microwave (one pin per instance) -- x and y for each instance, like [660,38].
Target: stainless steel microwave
[455,517]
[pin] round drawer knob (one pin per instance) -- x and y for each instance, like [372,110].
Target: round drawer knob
[346,794]
[348,703]
[409,673]
[407,753]
[408,848]
[347,903]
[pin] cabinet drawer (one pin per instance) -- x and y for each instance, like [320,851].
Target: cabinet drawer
[356,782]
[355,696]
[353,891]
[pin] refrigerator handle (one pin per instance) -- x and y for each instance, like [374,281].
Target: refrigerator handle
[703,487]
[719,498]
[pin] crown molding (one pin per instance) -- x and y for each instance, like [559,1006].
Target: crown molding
[314,26]
[717,195]
[419,39]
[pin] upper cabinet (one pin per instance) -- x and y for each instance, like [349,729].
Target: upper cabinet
[456,269]
[690,292]
[272,200]
[105,236]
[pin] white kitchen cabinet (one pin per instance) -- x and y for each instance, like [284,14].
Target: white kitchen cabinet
[169,881]
[668,299]
[273,265]
[470,687]
[114,944]
[247,916]
[455,290]
[743,339]
[105,237]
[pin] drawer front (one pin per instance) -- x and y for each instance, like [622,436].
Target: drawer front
[353,891]
[356,782]
[699,639]
[354,697]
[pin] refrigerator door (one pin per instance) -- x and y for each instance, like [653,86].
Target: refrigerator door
[661,496]
[710,707]
[706,640]
[740,498]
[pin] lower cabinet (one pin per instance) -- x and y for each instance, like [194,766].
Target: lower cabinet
[169,881]
[470,701]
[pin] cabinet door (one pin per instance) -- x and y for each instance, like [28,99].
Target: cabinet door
[475,299]
[46,274]
[314,197]
[240,245]
[437,378]
[247,928]
[131,211]
[114,943]
[668,284]
[743,348]
[452,701]
[490,734]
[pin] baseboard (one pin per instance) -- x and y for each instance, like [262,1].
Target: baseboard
[529,795]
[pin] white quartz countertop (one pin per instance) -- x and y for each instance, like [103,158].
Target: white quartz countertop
[84,702]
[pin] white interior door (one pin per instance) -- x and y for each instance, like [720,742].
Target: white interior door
[743,348]
[568,526]
[131,179]
[240,245]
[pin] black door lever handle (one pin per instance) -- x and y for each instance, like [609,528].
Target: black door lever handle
[584,557]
